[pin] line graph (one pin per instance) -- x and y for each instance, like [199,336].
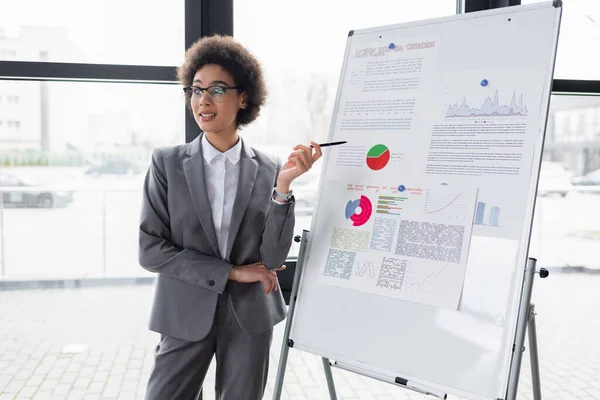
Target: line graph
[489,108]
[367,266]
[446,206]
[434,276]
[445,203]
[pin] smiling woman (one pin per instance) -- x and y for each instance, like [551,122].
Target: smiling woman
[216,234]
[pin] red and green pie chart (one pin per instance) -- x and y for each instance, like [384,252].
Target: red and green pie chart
[378,157]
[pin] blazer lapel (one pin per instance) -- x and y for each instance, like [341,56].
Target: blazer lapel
[193,168]
[248,171]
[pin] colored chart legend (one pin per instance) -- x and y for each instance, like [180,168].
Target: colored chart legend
[391,205]
[378,157]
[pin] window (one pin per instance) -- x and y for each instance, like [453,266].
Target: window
[90,143]
[576,56]
[110,32]
[565,217]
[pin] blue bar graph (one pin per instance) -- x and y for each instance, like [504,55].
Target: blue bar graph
[479,213]
[494,216]
[480,216]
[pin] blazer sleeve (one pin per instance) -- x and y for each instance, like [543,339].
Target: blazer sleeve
[157,253]
[278,233]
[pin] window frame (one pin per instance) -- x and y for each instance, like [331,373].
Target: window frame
[201,18]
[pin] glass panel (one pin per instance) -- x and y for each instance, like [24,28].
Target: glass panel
[302,68]
[567,225]
[107,32]
[72,173]
[579,36]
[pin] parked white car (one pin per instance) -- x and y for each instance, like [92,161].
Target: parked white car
[589,179]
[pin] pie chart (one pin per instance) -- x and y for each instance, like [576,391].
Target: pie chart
[378,157]
[359,217]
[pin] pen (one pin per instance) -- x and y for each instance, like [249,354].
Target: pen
[409,385]
[426,391]
[330,144]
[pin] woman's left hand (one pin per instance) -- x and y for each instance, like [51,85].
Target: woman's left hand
[299,161]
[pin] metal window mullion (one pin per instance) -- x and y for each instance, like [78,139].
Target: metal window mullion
[78,72]
[204,18]
[575,87]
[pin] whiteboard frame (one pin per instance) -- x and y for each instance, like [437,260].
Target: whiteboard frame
[524,243]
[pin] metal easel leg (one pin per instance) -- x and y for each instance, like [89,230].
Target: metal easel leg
[533,354]
[522,321]
[526,325]
[329,377]
[287,343]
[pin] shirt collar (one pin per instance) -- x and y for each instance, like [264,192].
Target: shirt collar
[209,152]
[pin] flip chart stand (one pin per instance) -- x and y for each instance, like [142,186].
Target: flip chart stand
[525,324]
[287,342]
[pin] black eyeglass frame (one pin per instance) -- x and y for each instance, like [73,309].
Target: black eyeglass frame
[188,90]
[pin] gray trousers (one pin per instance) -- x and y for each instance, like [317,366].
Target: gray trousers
[242,361]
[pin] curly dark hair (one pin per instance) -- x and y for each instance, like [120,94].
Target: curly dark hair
[237,61]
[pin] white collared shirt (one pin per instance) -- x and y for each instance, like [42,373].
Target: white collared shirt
[221,174]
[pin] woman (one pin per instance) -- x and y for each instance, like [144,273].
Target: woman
[217,221]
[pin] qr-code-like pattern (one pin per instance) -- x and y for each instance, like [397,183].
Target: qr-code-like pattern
[430,241]
[383,234]
[339,264]
[392,272]
[350,239]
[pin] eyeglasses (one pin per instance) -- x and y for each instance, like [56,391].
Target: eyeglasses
[216,93]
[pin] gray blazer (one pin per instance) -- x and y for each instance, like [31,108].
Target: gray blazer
[178,242]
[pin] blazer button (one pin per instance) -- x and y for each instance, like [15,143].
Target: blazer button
[211,283]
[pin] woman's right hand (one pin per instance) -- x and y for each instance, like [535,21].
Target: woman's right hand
[256,272]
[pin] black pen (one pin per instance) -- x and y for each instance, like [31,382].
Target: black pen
[331,144]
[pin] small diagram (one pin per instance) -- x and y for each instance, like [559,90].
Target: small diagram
[391,205]
[378,157]
[489,108]
[366,269]
[430,279]
[392,273]
[494,215]
[339,264]
[445,203]
[350,239]
[359,211]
